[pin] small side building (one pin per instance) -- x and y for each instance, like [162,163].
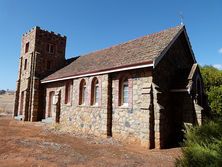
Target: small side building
[143,91]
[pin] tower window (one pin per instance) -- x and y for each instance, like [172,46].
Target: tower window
[50,48]
[48,65]
[26,47]
[25,64]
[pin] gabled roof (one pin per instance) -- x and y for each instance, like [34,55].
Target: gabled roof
[140,52]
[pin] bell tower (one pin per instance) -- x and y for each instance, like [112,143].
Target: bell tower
[42,53]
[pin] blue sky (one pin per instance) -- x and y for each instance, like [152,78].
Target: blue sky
[95,24]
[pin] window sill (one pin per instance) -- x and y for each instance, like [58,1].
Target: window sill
[68,104]
[124,106]
[82,105]
[95,106]
[89,106]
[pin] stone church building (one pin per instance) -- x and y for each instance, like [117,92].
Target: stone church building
[142,91]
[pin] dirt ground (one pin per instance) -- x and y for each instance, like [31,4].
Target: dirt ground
[28,144]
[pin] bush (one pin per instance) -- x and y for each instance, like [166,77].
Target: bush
[215,99]
[203,146]
[212,77]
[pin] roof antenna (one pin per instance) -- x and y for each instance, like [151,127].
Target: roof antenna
[181,18]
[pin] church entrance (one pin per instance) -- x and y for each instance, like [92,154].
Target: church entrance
[176,119]
[51,112]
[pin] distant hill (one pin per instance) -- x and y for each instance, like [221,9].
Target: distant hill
[2,92]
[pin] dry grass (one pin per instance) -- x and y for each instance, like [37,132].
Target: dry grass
[6,103]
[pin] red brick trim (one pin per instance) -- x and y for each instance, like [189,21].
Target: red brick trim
[118,92]
[48,101]
[68,92]
[91,90]
[130,95]
[81,84]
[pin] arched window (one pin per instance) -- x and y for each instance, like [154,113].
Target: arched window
[124,92]
[82,92]
[68,92]
[95,92]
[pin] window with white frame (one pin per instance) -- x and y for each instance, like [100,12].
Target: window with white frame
[95,92]
[124,92]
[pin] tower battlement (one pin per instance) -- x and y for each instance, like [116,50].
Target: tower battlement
[37,28]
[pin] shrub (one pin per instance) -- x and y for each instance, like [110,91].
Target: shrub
[212,77]
[215,99]
[203,146]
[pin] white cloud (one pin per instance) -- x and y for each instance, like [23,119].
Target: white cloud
[218,66]
[220,50]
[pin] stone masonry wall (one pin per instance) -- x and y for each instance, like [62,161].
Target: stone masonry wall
[87,119]
[131,124]
[24,74]
[47,62]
